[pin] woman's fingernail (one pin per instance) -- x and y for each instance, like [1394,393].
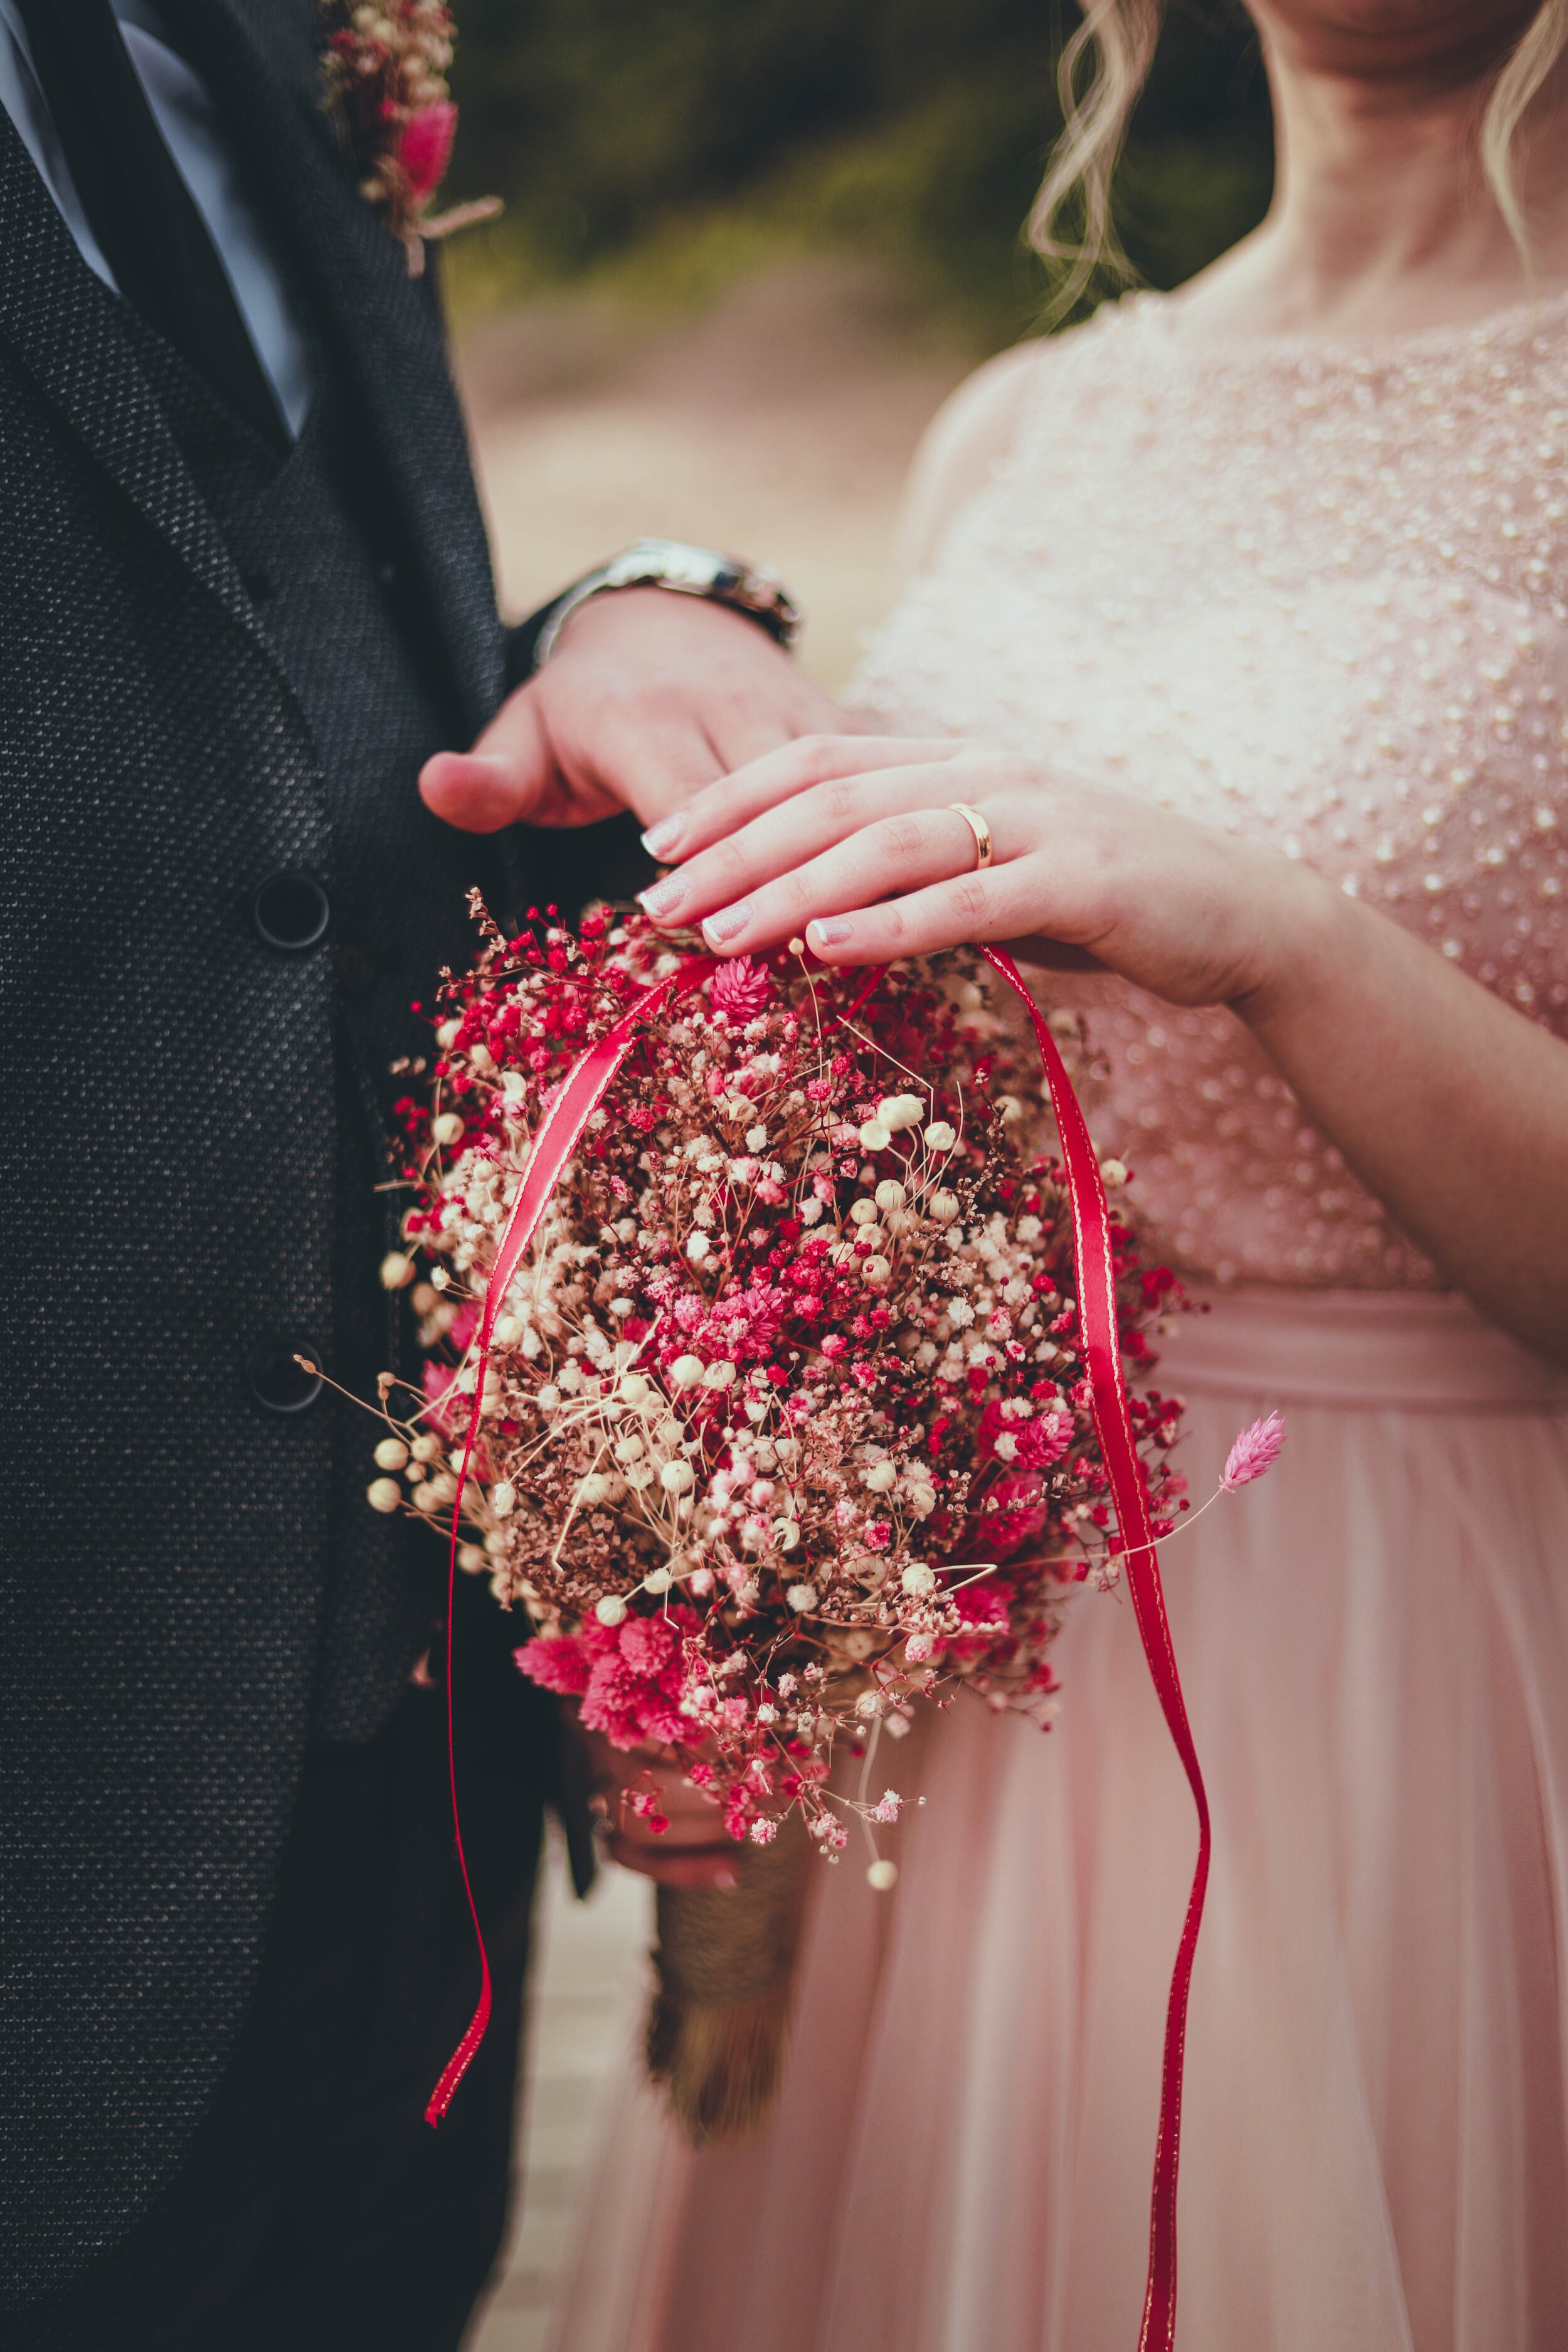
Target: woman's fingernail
[830,934]
[727,922]
[726,1879]
[662,899]
[661,838]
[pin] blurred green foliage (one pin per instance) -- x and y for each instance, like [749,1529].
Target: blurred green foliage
[663,145]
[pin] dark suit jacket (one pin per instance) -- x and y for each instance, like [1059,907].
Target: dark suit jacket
[170,1112]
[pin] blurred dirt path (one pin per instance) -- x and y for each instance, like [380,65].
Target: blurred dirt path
[776,425]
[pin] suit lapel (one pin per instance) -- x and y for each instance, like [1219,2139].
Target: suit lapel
[259,60]
[68,331]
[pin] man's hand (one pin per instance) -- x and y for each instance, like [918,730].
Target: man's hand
[647,697]
[695,1850]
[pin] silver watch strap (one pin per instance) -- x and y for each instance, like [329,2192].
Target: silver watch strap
[747,588]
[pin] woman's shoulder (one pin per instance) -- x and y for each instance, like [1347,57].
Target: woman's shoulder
[979,424]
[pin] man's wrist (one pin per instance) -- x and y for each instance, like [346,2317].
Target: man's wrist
[672,567]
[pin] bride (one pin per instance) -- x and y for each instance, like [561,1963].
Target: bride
[1241,618]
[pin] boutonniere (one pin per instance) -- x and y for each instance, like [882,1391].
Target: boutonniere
[383,86]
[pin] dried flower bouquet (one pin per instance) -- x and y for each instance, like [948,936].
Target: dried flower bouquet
[785,1421]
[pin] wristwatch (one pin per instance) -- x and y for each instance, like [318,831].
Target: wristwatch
[747,588]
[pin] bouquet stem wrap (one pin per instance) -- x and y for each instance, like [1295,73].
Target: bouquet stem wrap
[725,1963]
[689,2033]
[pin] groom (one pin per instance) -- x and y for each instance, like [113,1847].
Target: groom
[245,599]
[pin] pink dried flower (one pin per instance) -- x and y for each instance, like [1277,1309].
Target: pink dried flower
[425,147]
[1042,1443]
[1255,1451]
[740,990]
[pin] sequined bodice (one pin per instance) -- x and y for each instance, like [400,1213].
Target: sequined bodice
[1308,593]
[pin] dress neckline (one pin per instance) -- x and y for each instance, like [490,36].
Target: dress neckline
[1517,323]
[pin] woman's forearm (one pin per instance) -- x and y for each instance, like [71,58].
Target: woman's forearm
[1446,1103]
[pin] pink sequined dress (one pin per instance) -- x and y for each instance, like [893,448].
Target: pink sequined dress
[1317,596]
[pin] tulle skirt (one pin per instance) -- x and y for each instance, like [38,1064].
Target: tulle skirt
[1373,1642]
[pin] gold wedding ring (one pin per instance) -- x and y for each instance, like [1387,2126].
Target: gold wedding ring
[978,828]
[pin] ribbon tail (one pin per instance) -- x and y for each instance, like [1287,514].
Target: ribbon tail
[1107,1396]
[582,1091]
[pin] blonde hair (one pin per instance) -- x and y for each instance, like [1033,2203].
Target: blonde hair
[1120,37]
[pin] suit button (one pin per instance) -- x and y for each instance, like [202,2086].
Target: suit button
[291,912]
[278,1382]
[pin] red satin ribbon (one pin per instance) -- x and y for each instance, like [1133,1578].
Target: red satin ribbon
[1107,1398]
[582,1091]
[558,1137]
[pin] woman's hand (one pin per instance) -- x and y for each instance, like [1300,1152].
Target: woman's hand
[855,844]
[1445,1102]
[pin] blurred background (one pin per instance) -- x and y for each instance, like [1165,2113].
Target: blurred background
[749,245]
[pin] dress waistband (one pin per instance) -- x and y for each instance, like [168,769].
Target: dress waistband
[1411,1350]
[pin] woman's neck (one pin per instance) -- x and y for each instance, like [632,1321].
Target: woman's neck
[1383,221]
